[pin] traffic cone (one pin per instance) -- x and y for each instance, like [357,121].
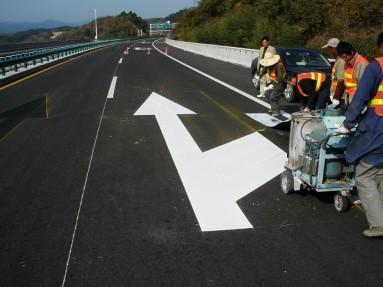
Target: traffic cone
[149,51]
[166,50]
[127,51]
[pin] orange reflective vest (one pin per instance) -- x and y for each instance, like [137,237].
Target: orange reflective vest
[349,79]
[318,77]
[272,75]
[334,82]
[377,100]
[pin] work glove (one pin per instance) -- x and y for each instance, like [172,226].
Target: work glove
[256,77]
[269,87]
[343,131]
[335,103]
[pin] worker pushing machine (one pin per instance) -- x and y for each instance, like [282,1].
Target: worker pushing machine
[314,90]
[274,67]
[366,146]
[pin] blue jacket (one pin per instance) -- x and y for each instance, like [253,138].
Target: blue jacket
[367,143]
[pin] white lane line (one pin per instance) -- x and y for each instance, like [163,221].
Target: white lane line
[82,195]
[216,80]
[120,61]
[112,88]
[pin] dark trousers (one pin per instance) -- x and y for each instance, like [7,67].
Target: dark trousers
[320,99]
[276,94]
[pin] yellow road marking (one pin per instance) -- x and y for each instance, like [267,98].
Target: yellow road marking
[359,207]
[46,106]
[230,113]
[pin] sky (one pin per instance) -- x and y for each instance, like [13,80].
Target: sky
[82,10]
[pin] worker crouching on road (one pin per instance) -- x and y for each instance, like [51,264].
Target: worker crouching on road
[366,146]
[354,67]
[276,70]
[314,90]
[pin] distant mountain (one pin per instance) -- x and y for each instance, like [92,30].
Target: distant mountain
[8,28]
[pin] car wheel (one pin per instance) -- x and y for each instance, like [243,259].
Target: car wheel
[289,94]
[256,81]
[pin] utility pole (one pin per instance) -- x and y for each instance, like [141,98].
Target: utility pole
[95,20]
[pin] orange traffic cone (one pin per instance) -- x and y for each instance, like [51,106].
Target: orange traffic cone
[127,51]
[149,51]
[166,50]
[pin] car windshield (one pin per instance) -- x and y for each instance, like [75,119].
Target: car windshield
[304,58]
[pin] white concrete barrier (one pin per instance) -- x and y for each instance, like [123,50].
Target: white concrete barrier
[240,56]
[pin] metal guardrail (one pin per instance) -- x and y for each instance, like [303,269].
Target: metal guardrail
[11,64]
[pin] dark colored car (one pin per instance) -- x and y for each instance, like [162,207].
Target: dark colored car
[296,61]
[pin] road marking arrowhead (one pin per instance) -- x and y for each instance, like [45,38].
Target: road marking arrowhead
[214,180]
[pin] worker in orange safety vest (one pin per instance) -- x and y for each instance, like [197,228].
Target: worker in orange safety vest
[273,65]
[354,67]
[337,73]
[314,90]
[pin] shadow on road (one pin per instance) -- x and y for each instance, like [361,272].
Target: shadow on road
[10,119]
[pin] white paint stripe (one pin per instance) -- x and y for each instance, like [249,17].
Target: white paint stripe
[120,61]
[112,88]
[216,80]
[82,196]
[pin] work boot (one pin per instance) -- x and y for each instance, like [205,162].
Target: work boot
[261,96]
[373,232]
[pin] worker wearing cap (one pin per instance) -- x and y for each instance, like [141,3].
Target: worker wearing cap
[354,67]
[274,67]
[366,147]
[263,81]
[337,74]
[314,89]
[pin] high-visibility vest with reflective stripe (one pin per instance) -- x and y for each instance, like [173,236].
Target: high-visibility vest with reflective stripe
[377,100]
[334,82]
[349,79]
[272,75]
[318,77]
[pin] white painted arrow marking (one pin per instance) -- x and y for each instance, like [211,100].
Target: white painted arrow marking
[216,179]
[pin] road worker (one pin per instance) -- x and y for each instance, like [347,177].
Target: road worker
[354,67]
[265,80]
[337,74]
[314,90]
[366,147]
[274,67]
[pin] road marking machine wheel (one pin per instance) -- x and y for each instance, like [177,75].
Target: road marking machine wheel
[341,203]
[287,182]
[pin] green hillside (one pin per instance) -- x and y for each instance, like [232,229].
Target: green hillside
[242,23]
[110,27]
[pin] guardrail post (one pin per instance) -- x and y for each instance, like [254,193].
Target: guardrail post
[34,62]
[3,71]
[15,68]
[25,64]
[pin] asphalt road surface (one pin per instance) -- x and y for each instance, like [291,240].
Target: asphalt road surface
[136,170]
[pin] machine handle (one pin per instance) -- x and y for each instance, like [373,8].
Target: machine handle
[334,134]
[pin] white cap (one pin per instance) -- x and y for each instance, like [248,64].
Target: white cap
[333,42]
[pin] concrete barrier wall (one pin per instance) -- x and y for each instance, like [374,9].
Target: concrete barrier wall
[233,55]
